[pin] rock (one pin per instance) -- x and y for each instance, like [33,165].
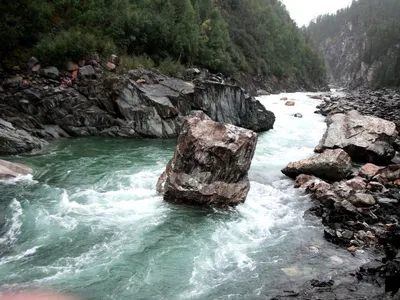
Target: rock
[87,71]
[388,174]
[362,200]
[369,170]
[194,175]
[262,92]
[50,72]
[12,170]
[317,97]
[111,66]
[290,103]
[13,81]
[352,249]
[15,141]
[36,68]
[114,59]
[298,115]
[33,61]
[356,183]
[71,67]
[331,165]
[284,99]
[397,182]
[364,138]
[375,186]
[141,81]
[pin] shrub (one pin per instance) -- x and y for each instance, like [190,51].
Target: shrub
[71,45]
[172,68]
[133,62]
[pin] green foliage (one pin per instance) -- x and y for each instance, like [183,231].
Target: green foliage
[172,68]
[252,36]
[70,45]
[131,62]
[377,27]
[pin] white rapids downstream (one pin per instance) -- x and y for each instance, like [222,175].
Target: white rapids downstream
[90,223]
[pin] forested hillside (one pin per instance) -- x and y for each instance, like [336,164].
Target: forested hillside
[361,44]
[252,36]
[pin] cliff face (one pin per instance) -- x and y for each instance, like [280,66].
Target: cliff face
[344,59]
[360,44]
[143,103]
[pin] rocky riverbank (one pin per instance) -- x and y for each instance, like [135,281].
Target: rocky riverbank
[38,104]
[358,201]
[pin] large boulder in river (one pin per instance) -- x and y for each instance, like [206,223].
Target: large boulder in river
[330,165]
[15,141]
[210,164]
[364,138]
[11,170]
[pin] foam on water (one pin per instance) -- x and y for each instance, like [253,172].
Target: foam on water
[93,224]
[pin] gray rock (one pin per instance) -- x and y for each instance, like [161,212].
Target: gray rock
[87,71]
[362,200]
[298,115]
[50,72]
[14,81]
[33,61]
[331,165]
[194,175]
[15,141]
[11,170]
[364,138]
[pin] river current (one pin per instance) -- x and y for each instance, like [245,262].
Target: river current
[89,222]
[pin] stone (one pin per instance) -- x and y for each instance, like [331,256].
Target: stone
[111,66]
[114,59]
[210,165]
[298,115]
[71,66]
[357,183]
[141,81]
[362,200]
[87,71]
[388,174]
[11,170]
[13,81]
[50,72]
[397,182]
[330,165]
[352,249]
[290,103]
[36,68]
[369,170]
[33,61]
[375,186]
[262,92]
[16,141]
[284,99]
[364,138]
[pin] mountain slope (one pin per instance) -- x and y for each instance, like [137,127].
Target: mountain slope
[360,44]
[252,36]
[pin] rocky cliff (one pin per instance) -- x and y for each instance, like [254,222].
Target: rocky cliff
[140,104]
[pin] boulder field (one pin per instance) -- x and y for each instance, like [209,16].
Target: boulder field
[39,105]
[356,188]
[210,164]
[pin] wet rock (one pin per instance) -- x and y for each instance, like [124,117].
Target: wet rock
[298,115]
[375,186]
[195,174]
[262,92]
[290,103]
[15,141]
[50,72]
[369,170]
[362,200]
[364,138]
[356,183]
[331,165]
[284,99]
[11,170]
[388,174]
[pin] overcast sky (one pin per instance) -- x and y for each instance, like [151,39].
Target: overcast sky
[303,11]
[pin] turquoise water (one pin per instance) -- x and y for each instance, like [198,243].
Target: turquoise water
[89,222]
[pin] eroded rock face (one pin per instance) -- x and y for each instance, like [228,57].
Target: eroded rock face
[364,138]
[11,170]
[15,141]
[142,103]
[210,164]
[330,165]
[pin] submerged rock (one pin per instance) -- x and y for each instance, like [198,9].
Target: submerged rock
[290,103]
[210,164]
[364,138]
[330,165]
[11,170]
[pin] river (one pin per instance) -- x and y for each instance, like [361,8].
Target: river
[89,222]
